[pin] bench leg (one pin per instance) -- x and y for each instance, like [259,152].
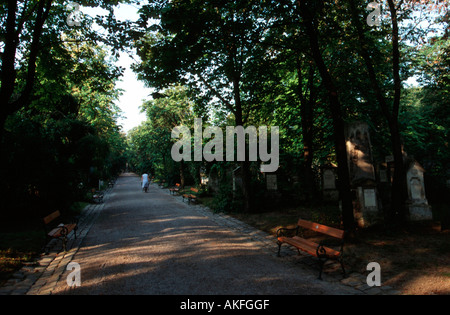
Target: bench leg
[342,266]
[279,248]
[46,246]
[321,268]
[64,241]
[321,263]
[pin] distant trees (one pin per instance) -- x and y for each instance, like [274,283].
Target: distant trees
[151,142]
[58,120]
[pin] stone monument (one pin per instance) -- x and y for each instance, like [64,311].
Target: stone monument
[271,182]
[362,174]
[237,179]
[417,203]
[330,191]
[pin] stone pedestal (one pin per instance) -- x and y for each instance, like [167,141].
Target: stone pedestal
[417,204]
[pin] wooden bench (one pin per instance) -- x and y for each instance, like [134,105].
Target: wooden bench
[320,250]
[191,197]
[59,231]
[175,189]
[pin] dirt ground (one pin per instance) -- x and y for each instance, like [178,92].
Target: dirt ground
[414,259]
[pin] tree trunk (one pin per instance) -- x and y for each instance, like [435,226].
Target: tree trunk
[181,174]
[306,110]
[399,191]
[338,122]
[8,71]
[245,165]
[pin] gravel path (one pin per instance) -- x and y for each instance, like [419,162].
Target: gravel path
[153,243]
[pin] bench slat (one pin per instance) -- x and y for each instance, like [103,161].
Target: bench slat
[321,228]
[57,232]
[308,246]
[322,252]
[51,217]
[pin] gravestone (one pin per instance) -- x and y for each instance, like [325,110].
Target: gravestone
[418,203]
[384,184]
[383,175]
[329,179]
[330,191]
[213,181]
[366,206]
[271,182]
[359,154]
[237,179]
[362,174]
[272,195]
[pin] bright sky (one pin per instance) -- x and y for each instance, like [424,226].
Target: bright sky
[133,94]
[134,91]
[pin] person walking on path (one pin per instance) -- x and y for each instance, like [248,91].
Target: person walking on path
[145,183]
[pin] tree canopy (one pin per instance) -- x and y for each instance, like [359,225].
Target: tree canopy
[309,67]
[58,114]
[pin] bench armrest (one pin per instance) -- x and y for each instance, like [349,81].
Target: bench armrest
[329,243]
[285,231]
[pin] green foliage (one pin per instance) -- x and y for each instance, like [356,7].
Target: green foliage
[59,142]
[254,59]
[150,144]
[244,62]
[223,199]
